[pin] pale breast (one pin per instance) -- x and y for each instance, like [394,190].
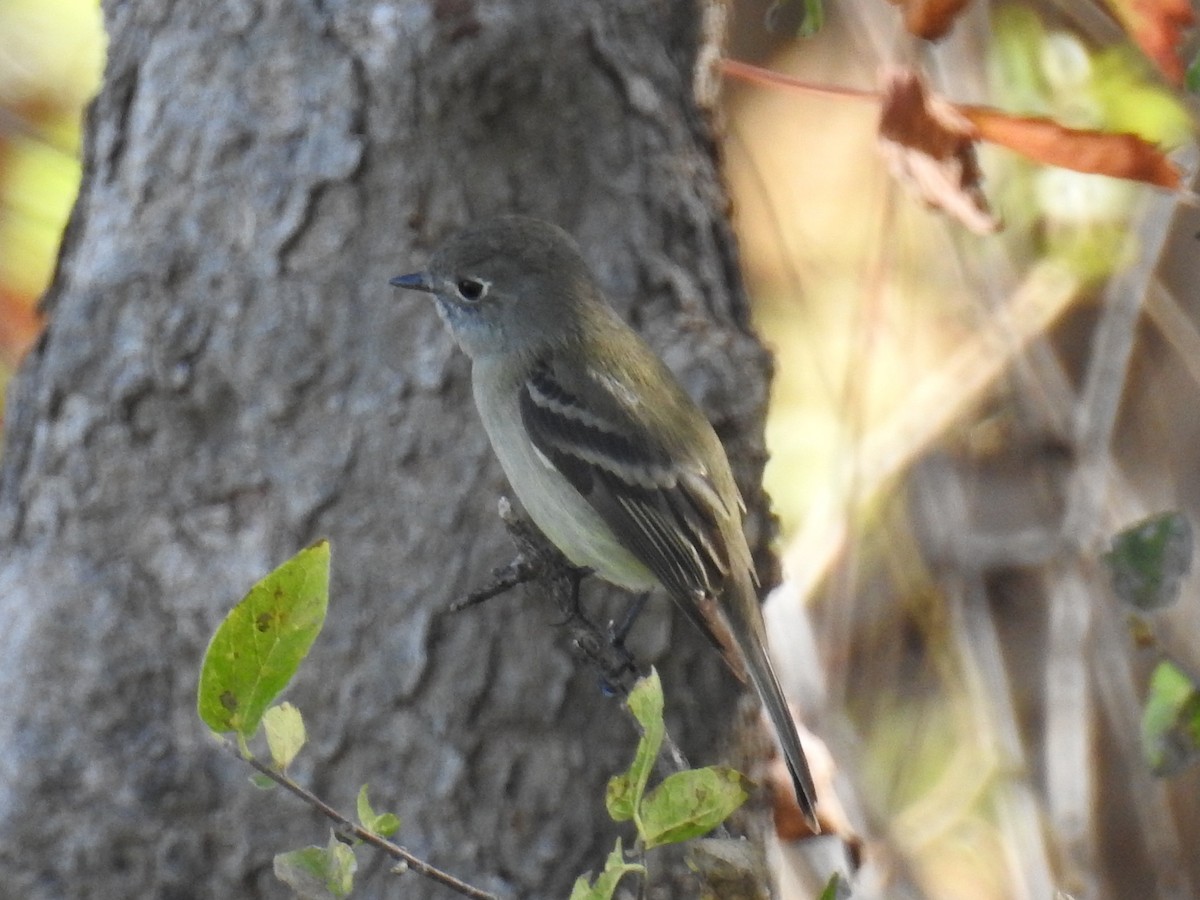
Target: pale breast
[559,510]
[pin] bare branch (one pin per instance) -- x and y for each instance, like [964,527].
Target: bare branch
[350,828]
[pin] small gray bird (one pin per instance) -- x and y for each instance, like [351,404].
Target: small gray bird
[610,457]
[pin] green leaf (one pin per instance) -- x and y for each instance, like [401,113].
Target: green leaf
[343,865]
[646,703]
[615,868]
[803,18]
[318,873]
[284,727]
[814,18]
[1015,60]
[387,824]
[1192,78]
[625,790]
[620,798]
[255,651]
[689,804]
[836,888]
[263,782]
[382,824]
[1148,560]
[1171,720]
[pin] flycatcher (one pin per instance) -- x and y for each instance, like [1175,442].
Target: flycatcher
[608,454]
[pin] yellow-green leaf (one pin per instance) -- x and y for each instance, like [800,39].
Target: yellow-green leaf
[284,727]
[382,824]
[1171,720]
[835,888]
[615,868]
[255,651]
[318,873]
[625,790]
[620,799]
[689,804]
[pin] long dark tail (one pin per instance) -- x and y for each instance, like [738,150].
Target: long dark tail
[744,617]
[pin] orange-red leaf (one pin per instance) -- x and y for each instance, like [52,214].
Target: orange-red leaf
[1117,155]
[1157,27]
[930,19]
[929,148]
[20,324]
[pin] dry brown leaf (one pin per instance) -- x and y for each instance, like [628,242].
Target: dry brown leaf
[790,824]
[929,19]
[1157,27]
[929,148]
[1098,152]
[914,122]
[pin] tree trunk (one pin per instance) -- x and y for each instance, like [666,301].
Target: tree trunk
[226,376]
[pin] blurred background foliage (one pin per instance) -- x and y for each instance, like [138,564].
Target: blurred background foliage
[962,657]
[948,461]
[51,57]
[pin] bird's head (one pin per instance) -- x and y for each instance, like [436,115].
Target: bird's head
[509,284]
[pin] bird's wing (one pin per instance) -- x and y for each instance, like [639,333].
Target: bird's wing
[682,522]
[665,510]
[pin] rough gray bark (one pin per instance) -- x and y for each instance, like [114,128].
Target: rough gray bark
[226,376]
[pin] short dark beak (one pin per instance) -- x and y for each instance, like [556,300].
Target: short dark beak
[417,281]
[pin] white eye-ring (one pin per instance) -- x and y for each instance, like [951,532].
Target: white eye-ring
[471,289]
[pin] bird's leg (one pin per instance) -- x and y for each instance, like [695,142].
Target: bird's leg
[570,606]
[635,609]
[616,641]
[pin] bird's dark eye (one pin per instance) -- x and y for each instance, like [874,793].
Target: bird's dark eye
[471,288]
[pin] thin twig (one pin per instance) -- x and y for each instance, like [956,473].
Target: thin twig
[349,827]
[759,75]
[519,571]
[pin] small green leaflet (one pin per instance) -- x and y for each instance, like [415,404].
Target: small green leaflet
[1149,559]
[255,651]
[1171,720]
[803,18]
[625,790]
[686,804]
[690,804]
[285,734]
[382,824]
[318,873]
[814,18]
[835,888]
[615,868]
